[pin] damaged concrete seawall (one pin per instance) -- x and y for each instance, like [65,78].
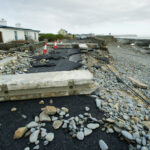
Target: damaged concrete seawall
[21,46]
[53,84]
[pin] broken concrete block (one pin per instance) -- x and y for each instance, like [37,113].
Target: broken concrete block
[93,45]
[83,46]
[137,83]
[48,84]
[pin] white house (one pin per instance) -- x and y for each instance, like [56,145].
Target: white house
[9,33]
[63,32]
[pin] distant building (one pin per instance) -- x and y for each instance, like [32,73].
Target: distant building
[63,32]
[9,33]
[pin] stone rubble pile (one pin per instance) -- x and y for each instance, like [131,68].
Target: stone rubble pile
[122,113]
[16,66]
[78,126]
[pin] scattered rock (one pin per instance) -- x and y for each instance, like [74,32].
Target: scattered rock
[62,113]
[32,124]
[27,148]
[20,132]
[44,117]
[34,136]
[103,145]
[135,119]
[54,118]
[57,124]
[110,120]
[87,108]
[36,147]
[93,125]
[51,101]
[127,135]
[80,135]
[24,116]
[144,148]
[50,110]
[64,125]
[66,110]
[98,103]
[87,131]
[36,119]
[50,137]
[110,130]
[45,143]
[146,124]
[41,102]
[13,109]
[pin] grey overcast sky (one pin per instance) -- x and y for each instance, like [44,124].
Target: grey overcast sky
[79,16]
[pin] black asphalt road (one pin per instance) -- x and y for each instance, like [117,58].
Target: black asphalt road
[10,121]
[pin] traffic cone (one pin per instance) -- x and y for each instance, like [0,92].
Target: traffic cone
[55,45]
[45,48]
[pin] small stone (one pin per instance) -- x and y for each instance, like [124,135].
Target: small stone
[144,141]
[34,136]
[93,125]
[103,145]
[36,119]
[54,118]
[66,110]
[57,124]
[87,108]
[45,143]
[144,148]
[110,120]
[127,135]
[120,124]
[32,124]
[24,116]
[138,147]
[80,135]
[110,130]
[50,137]
[50,110]
[146,124]
[67,115]
[51,101]
[32,130]
[146,118]
[98,103]
[43,134]
[20,132]
[62,113]
[37,142]
[13,109]
[87,131]
[27,133]
[27,148]
[138,140]
[41,102]
[117,129]
[126,117]
[44,117]
[135,119]
[64,125]
[36,147]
